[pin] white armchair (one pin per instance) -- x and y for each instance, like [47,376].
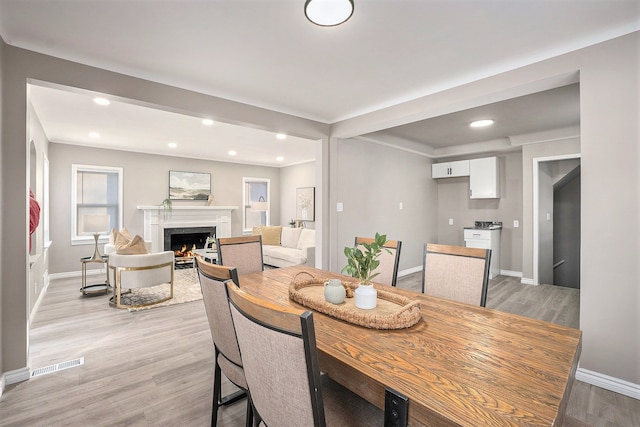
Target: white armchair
[139,271]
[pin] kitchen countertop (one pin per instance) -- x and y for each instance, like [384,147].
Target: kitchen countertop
[485,225]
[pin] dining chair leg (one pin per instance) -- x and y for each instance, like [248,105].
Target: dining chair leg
[255,416]
[218,399]
[249,421]
[217,387]
[232,398]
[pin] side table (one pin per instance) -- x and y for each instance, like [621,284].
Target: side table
[99,287]
[209,255]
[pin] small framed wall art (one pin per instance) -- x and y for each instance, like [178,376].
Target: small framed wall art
[306,204]
[189,185]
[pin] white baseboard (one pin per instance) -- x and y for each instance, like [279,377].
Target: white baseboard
[72,274]
[526,281]
[408,271]
[511,273]
[609,383]
[16,376]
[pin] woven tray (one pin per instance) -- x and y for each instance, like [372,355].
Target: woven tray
[392,311]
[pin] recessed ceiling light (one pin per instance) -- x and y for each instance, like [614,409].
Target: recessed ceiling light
[281,136]
[94,134]
[231,153]
[101,101]
[279,158]
[172,145]
[207,122]
[481,123]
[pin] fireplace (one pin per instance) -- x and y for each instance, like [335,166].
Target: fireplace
[183,240]
[156,220]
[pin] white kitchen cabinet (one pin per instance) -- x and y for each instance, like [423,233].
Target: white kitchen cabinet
[485,239]
[450,169]
[483,179]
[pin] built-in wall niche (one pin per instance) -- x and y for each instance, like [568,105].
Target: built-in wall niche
[33,164]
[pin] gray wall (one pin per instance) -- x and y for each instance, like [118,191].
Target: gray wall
[372,180]
[145,182]
[545,224]
[454,202]
[292,177]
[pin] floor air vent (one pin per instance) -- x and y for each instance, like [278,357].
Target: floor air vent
[57,367]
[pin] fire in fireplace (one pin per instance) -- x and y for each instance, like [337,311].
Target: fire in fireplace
[183,241]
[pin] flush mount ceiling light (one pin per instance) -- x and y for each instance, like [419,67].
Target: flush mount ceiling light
[328,13]
[94,135]
[207,122]
[172,145]
[481,123]
[281,136]
[231,153]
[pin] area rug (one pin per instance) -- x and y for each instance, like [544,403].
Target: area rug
[186,288]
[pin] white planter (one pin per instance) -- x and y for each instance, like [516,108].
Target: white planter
[366,297]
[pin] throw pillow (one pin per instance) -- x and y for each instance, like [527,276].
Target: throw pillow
[271,235]
[290,237]
[112,236]
[256,231]
[133,246]
[307,238]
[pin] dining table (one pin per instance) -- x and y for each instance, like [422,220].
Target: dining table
[459,365]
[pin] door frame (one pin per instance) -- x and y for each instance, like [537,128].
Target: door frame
[536,203]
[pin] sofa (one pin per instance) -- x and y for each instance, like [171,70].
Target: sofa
[287,246]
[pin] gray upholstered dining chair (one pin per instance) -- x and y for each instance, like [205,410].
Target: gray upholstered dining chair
[213,279]
[389,260]
[280,359]
[244,253]
[456,273]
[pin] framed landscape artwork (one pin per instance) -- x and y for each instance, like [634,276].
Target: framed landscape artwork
[189,185]
[306,204]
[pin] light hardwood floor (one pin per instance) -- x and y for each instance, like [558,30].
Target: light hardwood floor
[153,367]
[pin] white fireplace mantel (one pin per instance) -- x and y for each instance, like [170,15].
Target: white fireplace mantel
[156,219]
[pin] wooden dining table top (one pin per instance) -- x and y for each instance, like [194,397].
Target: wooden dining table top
[459,365]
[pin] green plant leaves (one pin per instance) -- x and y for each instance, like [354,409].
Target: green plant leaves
[362,264]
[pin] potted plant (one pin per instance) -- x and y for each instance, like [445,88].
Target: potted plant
[361,265]
[167,205]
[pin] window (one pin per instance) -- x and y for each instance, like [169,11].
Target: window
[256,197]
[96,190]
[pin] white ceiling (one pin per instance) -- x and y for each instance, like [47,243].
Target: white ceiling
[265,53]
[69,116]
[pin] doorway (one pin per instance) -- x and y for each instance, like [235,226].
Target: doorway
[566,230]
[556,221]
